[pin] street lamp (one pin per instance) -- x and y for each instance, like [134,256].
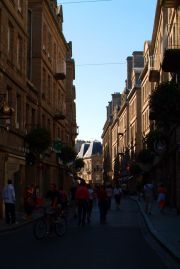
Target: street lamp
[5,112]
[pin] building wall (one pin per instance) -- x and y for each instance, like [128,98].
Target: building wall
[165,31]
[33,51]
[92,172]
[13,50]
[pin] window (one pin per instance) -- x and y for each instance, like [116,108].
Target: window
[9,96]
[54,94]
[29,48]
[19,53]
[10,40]
[33,116]
[44,84]
[49,45]
[44,37]
[0,29]
[27,114]
[18,111]
[49,90]
[9,99]
[55,57]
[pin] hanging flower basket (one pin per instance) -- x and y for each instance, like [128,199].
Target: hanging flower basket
[165,104]
[38,139]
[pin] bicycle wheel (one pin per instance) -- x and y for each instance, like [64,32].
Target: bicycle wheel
[40,229]
[60,226]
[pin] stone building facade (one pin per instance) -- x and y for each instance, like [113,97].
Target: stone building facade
[125,124]
[36,77]
[163,65]
[91,153]
[161,57]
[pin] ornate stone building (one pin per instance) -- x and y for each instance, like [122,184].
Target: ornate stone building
[36,80]
[124,125]
[161,58]
[92,171]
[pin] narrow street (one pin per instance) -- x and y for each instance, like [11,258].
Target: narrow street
[122,243]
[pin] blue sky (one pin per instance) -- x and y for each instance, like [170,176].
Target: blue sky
[103,32]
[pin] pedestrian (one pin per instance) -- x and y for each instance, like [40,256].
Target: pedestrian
[117,196]
[148,196]
[63,198]
[109,191]
[90,202]
[9,199]
[161,197]
[82,197]
[102,203]
[73,198]
[29,202]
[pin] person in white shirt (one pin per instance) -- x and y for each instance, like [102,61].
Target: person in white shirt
[9,199]
[148,196]
[117,196]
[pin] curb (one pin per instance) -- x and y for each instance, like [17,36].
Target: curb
[155,234]
[17,226]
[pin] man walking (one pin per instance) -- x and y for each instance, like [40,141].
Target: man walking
[9,201]
[82,197]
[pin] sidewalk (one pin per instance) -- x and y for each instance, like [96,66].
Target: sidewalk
[165,227]
[21,221]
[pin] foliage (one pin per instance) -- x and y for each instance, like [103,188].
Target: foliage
[67,154]
[79,163]
[38,139]
[145,156]
[153,136]
[135,169]
[165,104]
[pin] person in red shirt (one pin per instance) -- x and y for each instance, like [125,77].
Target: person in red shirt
[82,196]
[102,203]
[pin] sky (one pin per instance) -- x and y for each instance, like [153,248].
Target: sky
[103,35]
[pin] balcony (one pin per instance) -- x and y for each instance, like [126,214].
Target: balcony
[154,74]
[170,3]
[60,73]
[171,49]
[59,115]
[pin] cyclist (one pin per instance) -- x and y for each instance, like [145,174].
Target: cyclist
[52,197]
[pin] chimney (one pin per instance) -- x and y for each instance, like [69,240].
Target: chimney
[129,71]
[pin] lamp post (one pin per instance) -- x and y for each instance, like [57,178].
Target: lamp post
[5,112]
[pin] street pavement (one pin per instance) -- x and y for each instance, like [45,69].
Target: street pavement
[121,243]
[164,227]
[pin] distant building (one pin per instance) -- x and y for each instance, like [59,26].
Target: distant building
[92,156]
[78,145]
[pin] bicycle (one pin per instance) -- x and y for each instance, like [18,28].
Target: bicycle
[52,220]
